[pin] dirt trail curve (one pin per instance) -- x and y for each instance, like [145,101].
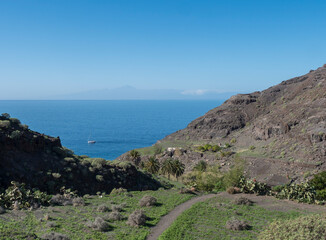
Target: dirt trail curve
[267,202]
[168,219]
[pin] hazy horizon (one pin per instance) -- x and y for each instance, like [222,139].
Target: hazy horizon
[60,48]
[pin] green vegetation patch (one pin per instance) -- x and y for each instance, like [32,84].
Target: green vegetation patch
[207,220]
[311,227]
[72,221]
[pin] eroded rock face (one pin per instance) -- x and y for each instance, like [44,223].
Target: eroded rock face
[287,122]
[272,112]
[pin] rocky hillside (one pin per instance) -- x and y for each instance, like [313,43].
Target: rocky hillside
[40,161]
[280,132]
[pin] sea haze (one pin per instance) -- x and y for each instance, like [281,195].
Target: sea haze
[117,126]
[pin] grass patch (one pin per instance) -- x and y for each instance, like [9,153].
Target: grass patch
[71,221]
[207,220]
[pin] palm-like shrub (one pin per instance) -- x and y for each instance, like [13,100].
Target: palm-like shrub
[167,167]
[152,165]
[178,168]
[135,156]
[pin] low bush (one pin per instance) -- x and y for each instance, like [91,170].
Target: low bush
[99,224]
[61,200]
[225,153]
[51,224]
[208,147]
[78,202]
[158,149]
[237,225]
[2,210]
[186,191]
[103,208]
[201,166]
[318,182]
[147,201]
[234,175]
[55,236]
[209,180]
[303,192]
[118,191]
[243,201]
[251,148]
[116,208]
[115,216]
[16,134]
[233,140]
[137,218]
[253,187]
[309,227]
[4,124]
[231,190]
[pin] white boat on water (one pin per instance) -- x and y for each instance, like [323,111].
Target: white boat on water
[90,141]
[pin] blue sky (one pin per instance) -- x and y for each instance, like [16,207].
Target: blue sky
[49,48]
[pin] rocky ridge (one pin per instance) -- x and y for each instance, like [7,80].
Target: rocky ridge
[41,162]
[280,132]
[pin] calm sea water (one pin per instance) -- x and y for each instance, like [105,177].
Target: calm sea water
[117,126]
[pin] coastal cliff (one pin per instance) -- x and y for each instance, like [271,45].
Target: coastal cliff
[41,161]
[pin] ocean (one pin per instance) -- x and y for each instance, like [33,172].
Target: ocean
[117,126]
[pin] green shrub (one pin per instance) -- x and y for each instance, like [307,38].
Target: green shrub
[303,192]
[134,157]
[158,149]
[100,178]
[15,121]
[319,181]
[216,148]
[227,145]
[209,180]
[117,191]
[68,151]
[251,148]
[56,175]
[4,124]
[253,187]
[311,227]
[233,140]
[16,134]
[321,195]
[24,126]
[18,194]
[204,148]
[225,153]
[201,166]
[234,175]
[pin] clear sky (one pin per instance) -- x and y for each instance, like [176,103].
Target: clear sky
[63,46]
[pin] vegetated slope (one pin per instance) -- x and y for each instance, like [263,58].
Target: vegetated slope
[40,161]
[285,125]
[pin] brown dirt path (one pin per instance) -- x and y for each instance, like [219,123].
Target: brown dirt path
[274,204]
[168,219]
[266,202]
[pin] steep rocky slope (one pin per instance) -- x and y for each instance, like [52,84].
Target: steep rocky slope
[280,132]
[40,161]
